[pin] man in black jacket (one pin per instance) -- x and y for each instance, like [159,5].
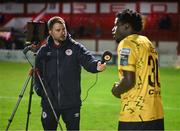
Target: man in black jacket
[59,65]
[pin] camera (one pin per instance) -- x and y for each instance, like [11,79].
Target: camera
[36,32]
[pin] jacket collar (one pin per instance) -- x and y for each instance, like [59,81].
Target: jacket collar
[50,41]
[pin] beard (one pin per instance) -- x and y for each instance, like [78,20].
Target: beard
[60,39]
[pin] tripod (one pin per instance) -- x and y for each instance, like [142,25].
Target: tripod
[20,98]
[32,72]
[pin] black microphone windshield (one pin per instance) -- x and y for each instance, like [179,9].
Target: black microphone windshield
[107,55]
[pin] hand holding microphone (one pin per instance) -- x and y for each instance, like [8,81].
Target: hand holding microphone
[101,65]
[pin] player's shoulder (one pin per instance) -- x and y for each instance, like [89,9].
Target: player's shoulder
[136,40]
[144,38]
[127,42]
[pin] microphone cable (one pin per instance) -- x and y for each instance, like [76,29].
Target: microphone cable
[107,55]
[87,92]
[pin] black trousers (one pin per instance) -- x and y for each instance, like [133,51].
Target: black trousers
[148,125]
[71,118]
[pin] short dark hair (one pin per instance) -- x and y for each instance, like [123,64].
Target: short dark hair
[131,17]
[53,20]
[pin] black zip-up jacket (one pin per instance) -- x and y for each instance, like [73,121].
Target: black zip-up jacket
[60,70]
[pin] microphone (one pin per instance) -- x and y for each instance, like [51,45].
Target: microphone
[107,55]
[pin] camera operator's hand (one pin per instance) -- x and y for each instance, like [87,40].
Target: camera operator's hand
[101,67]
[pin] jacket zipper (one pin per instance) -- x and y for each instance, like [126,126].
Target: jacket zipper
[58,77]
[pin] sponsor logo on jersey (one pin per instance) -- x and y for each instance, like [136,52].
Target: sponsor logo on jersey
[124,54]
[125,51]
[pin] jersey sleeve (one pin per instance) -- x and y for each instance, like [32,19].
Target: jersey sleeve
[126,56]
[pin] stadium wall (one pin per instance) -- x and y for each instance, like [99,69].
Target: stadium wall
[167,52]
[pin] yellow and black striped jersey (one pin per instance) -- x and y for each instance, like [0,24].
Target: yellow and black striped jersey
[142,102]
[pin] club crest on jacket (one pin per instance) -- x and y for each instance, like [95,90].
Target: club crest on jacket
[68,52]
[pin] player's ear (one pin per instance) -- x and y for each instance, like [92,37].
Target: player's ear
[126,26]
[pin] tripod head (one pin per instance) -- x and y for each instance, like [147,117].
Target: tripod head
[33,47]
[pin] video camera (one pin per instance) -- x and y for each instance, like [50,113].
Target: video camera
[36,34]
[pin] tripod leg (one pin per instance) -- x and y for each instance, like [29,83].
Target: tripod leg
[18,102]
[29,104]
[49,101]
